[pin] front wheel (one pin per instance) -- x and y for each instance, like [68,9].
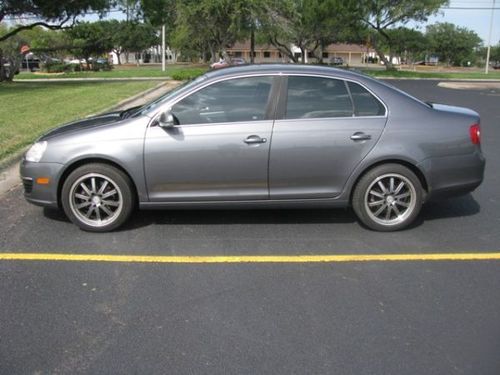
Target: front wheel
[388,198]
[97,197]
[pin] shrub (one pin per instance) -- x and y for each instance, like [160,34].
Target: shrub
[182,75]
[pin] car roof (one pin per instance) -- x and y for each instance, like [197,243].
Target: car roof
[284,69]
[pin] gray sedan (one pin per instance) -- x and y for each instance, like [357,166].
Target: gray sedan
[271,136]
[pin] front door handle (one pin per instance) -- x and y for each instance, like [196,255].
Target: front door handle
[360,136]
[254,139]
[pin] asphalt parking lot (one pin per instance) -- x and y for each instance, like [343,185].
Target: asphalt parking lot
[384,317]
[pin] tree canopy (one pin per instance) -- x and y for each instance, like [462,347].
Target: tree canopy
[50,14]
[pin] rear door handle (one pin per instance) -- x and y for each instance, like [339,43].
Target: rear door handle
[254,139]
[360,136]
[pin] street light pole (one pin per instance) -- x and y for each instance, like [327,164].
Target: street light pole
[163,48]
[489,39]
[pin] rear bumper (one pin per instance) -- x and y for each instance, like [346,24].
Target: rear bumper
[40,194]
[453,175]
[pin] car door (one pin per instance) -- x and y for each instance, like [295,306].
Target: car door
[219,149]
[325,128]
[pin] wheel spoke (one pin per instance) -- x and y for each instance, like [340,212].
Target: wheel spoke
[81,196]
[376,193]
[111,203]
[83,205]
[98,213]
[401,196]
[376,203]
[396,210]
[103,186]
[398,189]
[380,210]
[106,210]
[89,212]
[382,187]
[84,187]
[109,194]
[92,183]
[403,204]
[391,185]
[388,212]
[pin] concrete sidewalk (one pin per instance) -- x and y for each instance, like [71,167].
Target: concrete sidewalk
[9,176]
[94,79]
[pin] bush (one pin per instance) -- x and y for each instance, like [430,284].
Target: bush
[104,66]
[58,67]
[182,75]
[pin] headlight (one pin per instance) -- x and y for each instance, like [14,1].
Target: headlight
[36,151]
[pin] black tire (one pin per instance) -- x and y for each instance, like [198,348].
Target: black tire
[398,208]
[110,208]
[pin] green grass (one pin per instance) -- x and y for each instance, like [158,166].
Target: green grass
[178,72]
[29,109]
[438,75]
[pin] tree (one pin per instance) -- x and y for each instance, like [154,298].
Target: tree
[454,45]
[381,15]
[408,43]
[307,24]
[90,39]
[54,14]
[49,14]
[206,24]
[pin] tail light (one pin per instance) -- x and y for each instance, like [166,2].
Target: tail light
[475,134]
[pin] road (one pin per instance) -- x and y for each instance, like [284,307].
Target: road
[423,317]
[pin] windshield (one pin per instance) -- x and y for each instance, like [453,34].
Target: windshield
[149,107]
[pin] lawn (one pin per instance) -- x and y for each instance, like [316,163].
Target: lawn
[29,109]
[177,72]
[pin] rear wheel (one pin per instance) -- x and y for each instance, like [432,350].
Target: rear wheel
[388,197]
[98,197]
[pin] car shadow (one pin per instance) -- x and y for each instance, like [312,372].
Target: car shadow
[456,207]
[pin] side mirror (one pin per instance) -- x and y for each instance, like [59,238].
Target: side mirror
[166,120]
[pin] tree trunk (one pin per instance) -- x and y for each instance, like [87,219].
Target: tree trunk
[303,57]
[388,64]
[213,57]
[118,58]
[2,70]
[252,46]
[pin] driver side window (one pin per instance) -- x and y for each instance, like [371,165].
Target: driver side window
[234,100]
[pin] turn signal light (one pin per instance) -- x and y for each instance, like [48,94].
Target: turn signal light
[42,180]
[475,134]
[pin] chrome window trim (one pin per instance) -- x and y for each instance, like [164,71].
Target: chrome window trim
[170,104]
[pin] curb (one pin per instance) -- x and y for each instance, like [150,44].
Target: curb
[124,102]
[494,80]
[93,79]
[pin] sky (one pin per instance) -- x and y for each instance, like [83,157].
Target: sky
[477,20]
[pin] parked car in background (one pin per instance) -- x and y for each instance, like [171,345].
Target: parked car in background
[261,136]
[7,67]
[238,61]
[225,63]
[336,61]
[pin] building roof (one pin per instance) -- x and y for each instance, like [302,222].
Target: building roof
[336,47]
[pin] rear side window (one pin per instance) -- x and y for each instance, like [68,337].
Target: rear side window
[365,104]
[316,97]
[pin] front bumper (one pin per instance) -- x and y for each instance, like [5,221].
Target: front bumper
[41,194]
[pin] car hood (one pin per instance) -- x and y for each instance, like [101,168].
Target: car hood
[87,123]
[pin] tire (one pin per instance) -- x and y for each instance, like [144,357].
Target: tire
[98,197]
[388,198]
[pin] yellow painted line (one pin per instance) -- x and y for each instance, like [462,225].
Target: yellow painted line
[250,258]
